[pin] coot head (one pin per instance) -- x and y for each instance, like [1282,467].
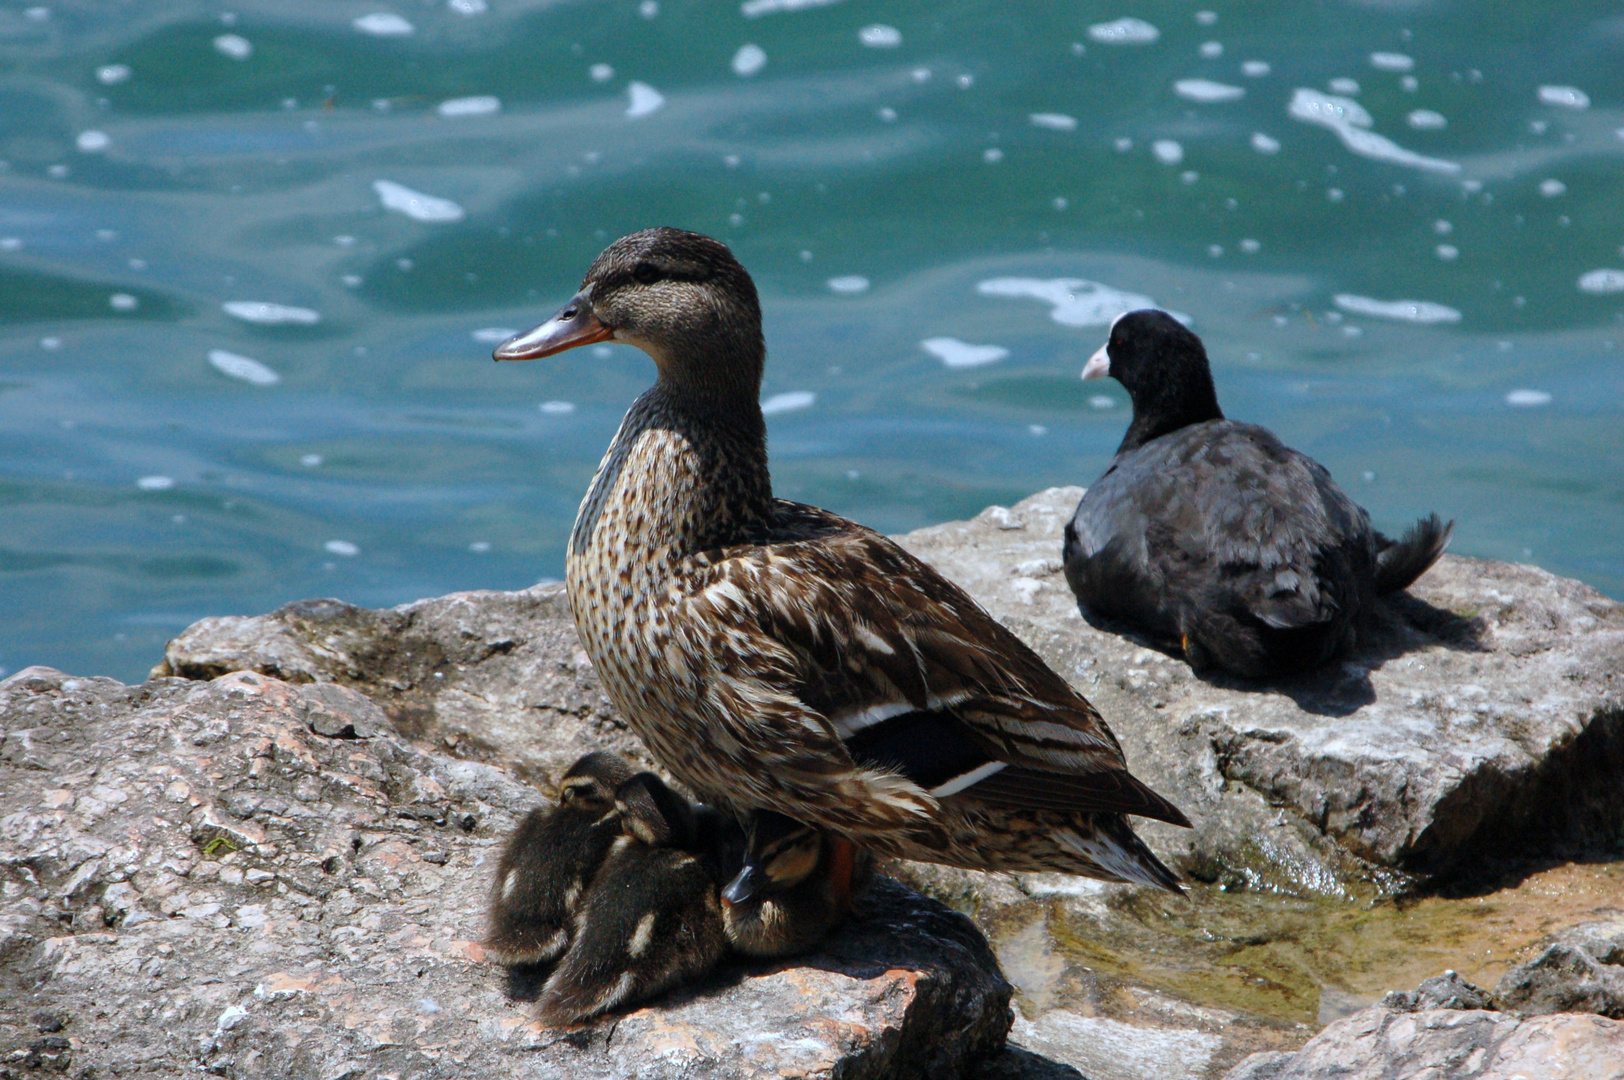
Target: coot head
[1163,366]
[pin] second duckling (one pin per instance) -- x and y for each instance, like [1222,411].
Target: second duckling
[651,919]
[796,885]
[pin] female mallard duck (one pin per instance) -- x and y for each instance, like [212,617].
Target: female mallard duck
[773,655]
[550,860]
[796,885]
[1212,534]
[651,919]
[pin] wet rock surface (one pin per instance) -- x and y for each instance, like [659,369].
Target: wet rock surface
[1581,971]
[248,877]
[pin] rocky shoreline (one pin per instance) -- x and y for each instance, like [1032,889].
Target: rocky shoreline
[270,858]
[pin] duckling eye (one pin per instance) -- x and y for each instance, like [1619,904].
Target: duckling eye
[646,273]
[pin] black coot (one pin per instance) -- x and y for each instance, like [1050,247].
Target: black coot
[1212,534]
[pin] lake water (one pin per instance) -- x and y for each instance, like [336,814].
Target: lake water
[253,260]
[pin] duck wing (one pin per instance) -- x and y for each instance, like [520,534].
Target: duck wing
[882,667]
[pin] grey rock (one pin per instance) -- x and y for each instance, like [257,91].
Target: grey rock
[1446,991]
[195,879]
[1449,1044]
[1581,971]
[1482,716]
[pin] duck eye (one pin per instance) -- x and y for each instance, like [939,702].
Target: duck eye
[645,273]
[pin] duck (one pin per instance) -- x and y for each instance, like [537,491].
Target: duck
[549,862]
[772,655]
[1212,536]
[796,884]
[652,918]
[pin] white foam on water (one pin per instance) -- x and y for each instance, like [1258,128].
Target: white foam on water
[754,9]
[1391,61]
[788,402]
[1053,121]
[1427,120]
[1410,84]
[310,461]
[749,60]
[1074,301]
[1528,399]
[1167,151]
[1100,401]
[601,72]
[492,335]
[961,354]
[480,547]
[113,74]
[1552,188]
[880,36]
[468,7]
[342,547]
[383,24]
[415,204]
[120,301]
[642,99]
[11,243]
[1255,69]
[91,142]
[1606,280]
[992,155]
[155,483]
[1567,97]
[268,314]
[1206,91]
[1348,119]
[243,368]
[848,285]
[1250,246]
[234,46]
[1447,252]
[1211,50]
[649,9]
[1263,144]
[557,408]
[1415,311]
[1037,431]
[1127,31]
[479,105]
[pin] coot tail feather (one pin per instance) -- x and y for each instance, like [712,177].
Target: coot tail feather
[1400,562]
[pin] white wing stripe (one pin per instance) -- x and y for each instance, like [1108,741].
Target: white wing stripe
[964,780]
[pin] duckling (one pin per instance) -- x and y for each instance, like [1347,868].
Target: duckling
[651,919]
[772,655]
[550,861]
[796,885]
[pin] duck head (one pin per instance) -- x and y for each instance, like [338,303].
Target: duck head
[589,786]
[680,297]
[782,853]
[1164,369]
[654,814]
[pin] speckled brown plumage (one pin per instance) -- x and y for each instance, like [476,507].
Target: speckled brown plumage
[776,655]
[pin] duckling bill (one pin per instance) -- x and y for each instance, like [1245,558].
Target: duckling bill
[774,656]
[795,886]
[1213,535]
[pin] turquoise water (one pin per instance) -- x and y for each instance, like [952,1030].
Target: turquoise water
[1001,176]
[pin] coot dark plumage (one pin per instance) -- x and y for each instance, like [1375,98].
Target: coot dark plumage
[1213,534]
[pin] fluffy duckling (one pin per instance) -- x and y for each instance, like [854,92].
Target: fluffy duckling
[772,655]
[549,862]
[1212,534]
[796,885]
[651,919]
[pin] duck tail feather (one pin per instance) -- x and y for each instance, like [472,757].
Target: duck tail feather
[1115,851]
[1400,562]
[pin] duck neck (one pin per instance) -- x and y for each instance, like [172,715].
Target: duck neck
[1165,408]
[687,472]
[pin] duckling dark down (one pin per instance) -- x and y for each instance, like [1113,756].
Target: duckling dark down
[549,863]
[1211,534]
[774,656]
[796,885]
[651,918]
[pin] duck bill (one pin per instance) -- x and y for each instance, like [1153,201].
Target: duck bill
[1098,366]
[573,326]
[748,882]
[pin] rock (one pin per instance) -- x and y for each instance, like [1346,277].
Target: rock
[1105,1049]
[195,878]
[1379,1043]
[1446,991]
[1582,971]
[1482,717]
